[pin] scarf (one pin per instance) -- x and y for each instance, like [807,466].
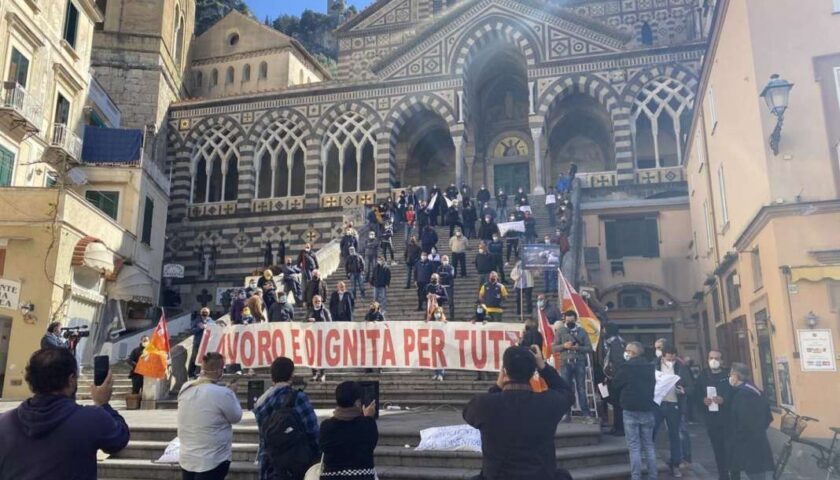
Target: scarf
[347,413]
[514,387]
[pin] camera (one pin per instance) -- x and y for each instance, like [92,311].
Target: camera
[78,332]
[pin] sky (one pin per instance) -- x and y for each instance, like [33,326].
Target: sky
[275,8]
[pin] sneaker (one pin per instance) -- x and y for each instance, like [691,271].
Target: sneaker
[676,473]
[315,377]
[440,378]
[434,377]
[323,377]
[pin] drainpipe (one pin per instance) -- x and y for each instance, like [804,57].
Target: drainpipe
[786,272]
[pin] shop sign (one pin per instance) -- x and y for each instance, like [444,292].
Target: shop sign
[9,294]
[816,349]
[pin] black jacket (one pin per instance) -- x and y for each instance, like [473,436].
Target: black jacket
[315,287]
[518,428]
[381,276]
[428,239]
[374,316]
[484,263]
[133,358]
[281,312]
[532,337]
[483,195]
[469,213]
[749,416]
[412,254]
[720,380]
[424,271]
[348,444]
[633,384]
[354,264]
[486,230]
[341,310]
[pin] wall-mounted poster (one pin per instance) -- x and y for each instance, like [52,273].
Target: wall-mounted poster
[816,348]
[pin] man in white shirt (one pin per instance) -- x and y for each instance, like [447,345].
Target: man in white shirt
[206,414]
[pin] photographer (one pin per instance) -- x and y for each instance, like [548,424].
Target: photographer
[51,436]
[53,338]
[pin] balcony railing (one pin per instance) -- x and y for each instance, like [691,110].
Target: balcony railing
[67,141]
[15,98]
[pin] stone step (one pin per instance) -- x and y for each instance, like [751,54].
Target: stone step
[611,452]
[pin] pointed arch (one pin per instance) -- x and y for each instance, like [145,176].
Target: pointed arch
[495,28]
[349,140]
[279,138]
[213,146]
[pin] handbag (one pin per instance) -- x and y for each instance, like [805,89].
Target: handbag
[314,472]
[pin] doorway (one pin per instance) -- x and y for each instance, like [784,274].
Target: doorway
[510,176]
[5,337]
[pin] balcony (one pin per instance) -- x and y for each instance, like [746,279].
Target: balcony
[20,113]
[645,176]
[64,145]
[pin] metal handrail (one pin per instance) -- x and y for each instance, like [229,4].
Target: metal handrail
[17,98]
[65,139]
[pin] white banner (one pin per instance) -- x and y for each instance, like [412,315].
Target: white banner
[425,345]
[511,226]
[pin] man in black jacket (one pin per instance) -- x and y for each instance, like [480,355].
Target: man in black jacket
[381,280]
[518,425]
[717,417]
[483,195]
[341,304]
[133,358]
[633,384]
[612,357]
[422,276]
[749,417]
[354,266]
[484,264]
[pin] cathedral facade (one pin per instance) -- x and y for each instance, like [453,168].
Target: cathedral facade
[500,93]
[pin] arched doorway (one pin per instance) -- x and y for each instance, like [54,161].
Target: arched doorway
[579,131]
[425,154]
[498,108]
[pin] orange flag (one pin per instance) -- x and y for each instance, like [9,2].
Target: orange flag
[155,358]
[572,300]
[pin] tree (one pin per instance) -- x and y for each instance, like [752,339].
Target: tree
[315,31]
[208,12]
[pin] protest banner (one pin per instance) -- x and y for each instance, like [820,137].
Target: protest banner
[422,345]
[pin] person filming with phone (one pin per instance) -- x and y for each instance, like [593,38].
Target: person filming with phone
[49,435]
[349,437]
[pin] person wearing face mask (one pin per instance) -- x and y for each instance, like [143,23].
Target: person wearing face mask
[237,306]
[633,384]
[381,281]
[446,273]
[512,241]
[387,241]
[133,358]
[453,218]
[422,217]
[348,240]
[483,195]
[435,296]
[549,274]
[717,417]
[612,357]
[470,215]
[501,204]
[207,411]
[749,418]
[459,245]
[422,276]
[436,205]
[428,238]
[372,246]
[411,256]
[488,228]
[342,304]
[523,284]
[49,435]
[307,262]
[521,198]
[435,258]
[493,294]
[573,344]
[545,307]
[197,327]
[318,313]
[291,280]
[315,287]
[530,228]
[496,247]
[438,316]
[670,411]
[484,264]
[355,266]
[269,288]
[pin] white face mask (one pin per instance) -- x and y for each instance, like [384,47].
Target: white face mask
[627,356]
[732,382]
[714,364]
[437,316]
[658,353]
[669,364]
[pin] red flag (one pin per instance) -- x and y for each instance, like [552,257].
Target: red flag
[155,358]
[571,300]
[547,332]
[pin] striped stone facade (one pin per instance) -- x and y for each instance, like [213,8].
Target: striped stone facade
[564,52]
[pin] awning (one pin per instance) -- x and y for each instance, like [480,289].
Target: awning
[92,253]
[815,274]
[132,285]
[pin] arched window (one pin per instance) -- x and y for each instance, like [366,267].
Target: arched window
[646,34]
[214,78]
[229,76]
[279,160]
[199,79]
[661,117]
[215,166]
[348,155]
[178,36]
[246,73]
[634,298]
[263,71]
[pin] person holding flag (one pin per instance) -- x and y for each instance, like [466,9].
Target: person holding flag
[155,358]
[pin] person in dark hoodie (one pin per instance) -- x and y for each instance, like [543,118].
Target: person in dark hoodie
[51,437]
[518,425]
[133,358]
[633,384]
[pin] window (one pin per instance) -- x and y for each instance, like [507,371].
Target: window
[834,295]
[348,155]
[758,278]
[102,5]
[632,237]
[7,167]
[710,99]
[50,179]
[280,160]
[766,362]
[108,202]
[716,305]
[263,71]
[233,39]
[661,118]
[178,36]
[229,76]
[246,73]
[724,210]
[18,68]
[646,36]
[71,24]
[708,220]
[214,78]
[215,171]
[634,298]
[733,291]
[836,6]
[199,79]
[62,110]
[148,220]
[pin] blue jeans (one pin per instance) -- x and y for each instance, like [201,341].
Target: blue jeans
[501,214]
[356,279]
[671,414]
[440,372]
[409,275]
[638,431]
[576,372]
[380,294]
[550,278]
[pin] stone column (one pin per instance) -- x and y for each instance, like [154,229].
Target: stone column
[537,135]
[458,141]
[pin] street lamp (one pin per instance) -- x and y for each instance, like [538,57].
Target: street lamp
[777,94]
[812,319]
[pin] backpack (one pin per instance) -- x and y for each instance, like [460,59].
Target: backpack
[289,449]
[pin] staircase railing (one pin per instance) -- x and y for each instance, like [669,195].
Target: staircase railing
[329,258]
[572,260]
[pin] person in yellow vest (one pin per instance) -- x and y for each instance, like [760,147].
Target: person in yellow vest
[493,294]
